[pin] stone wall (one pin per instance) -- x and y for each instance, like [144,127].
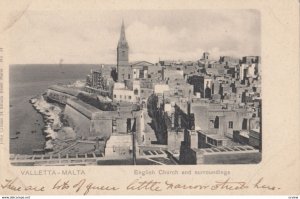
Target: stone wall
[194,156]
[79,122]
[175,139]
[59,96]
[232,158]
[119,145]
[187,155]
[86,127]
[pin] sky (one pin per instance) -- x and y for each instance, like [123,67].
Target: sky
[91,36]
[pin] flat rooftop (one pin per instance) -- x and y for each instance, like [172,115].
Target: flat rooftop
[213,135]
[223,149]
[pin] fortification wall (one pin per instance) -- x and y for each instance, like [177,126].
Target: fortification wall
[59,96]
[85,126]
[81,107]
[79,122]
[101,128]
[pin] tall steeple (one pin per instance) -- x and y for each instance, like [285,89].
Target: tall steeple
[122,56]
[122,40]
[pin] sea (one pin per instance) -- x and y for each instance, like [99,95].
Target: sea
[30,80]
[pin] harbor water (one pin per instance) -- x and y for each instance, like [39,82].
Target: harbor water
[27,81]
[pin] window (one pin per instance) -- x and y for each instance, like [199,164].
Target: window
[114,125]
[211,123]
[128,125]
[245,124]
[120,96]
[129,97]
[219,143]
[136,91]
[141,75]
[216,124]
[115,96]
[230,124]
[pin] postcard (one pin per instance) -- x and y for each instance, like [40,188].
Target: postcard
[149,97]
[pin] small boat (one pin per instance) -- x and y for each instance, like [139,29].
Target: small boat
[15,137]
[18,132]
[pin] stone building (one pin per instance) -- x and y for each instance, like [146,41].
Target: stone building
[202,85]
[172,74]
[99,82]
[140,69]
[108,124]
[251,59]
[190,153]
[228,60]
[130,93]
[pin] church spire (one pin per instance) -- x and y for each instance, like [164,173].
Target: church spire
[122,57]
[122,40]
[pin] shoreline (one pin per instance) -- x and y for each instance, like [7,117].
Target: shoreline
[30,81]
[25,127]
[51,118]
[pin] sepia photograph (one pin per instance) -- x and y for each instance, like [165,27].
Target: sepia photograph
[138,97]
